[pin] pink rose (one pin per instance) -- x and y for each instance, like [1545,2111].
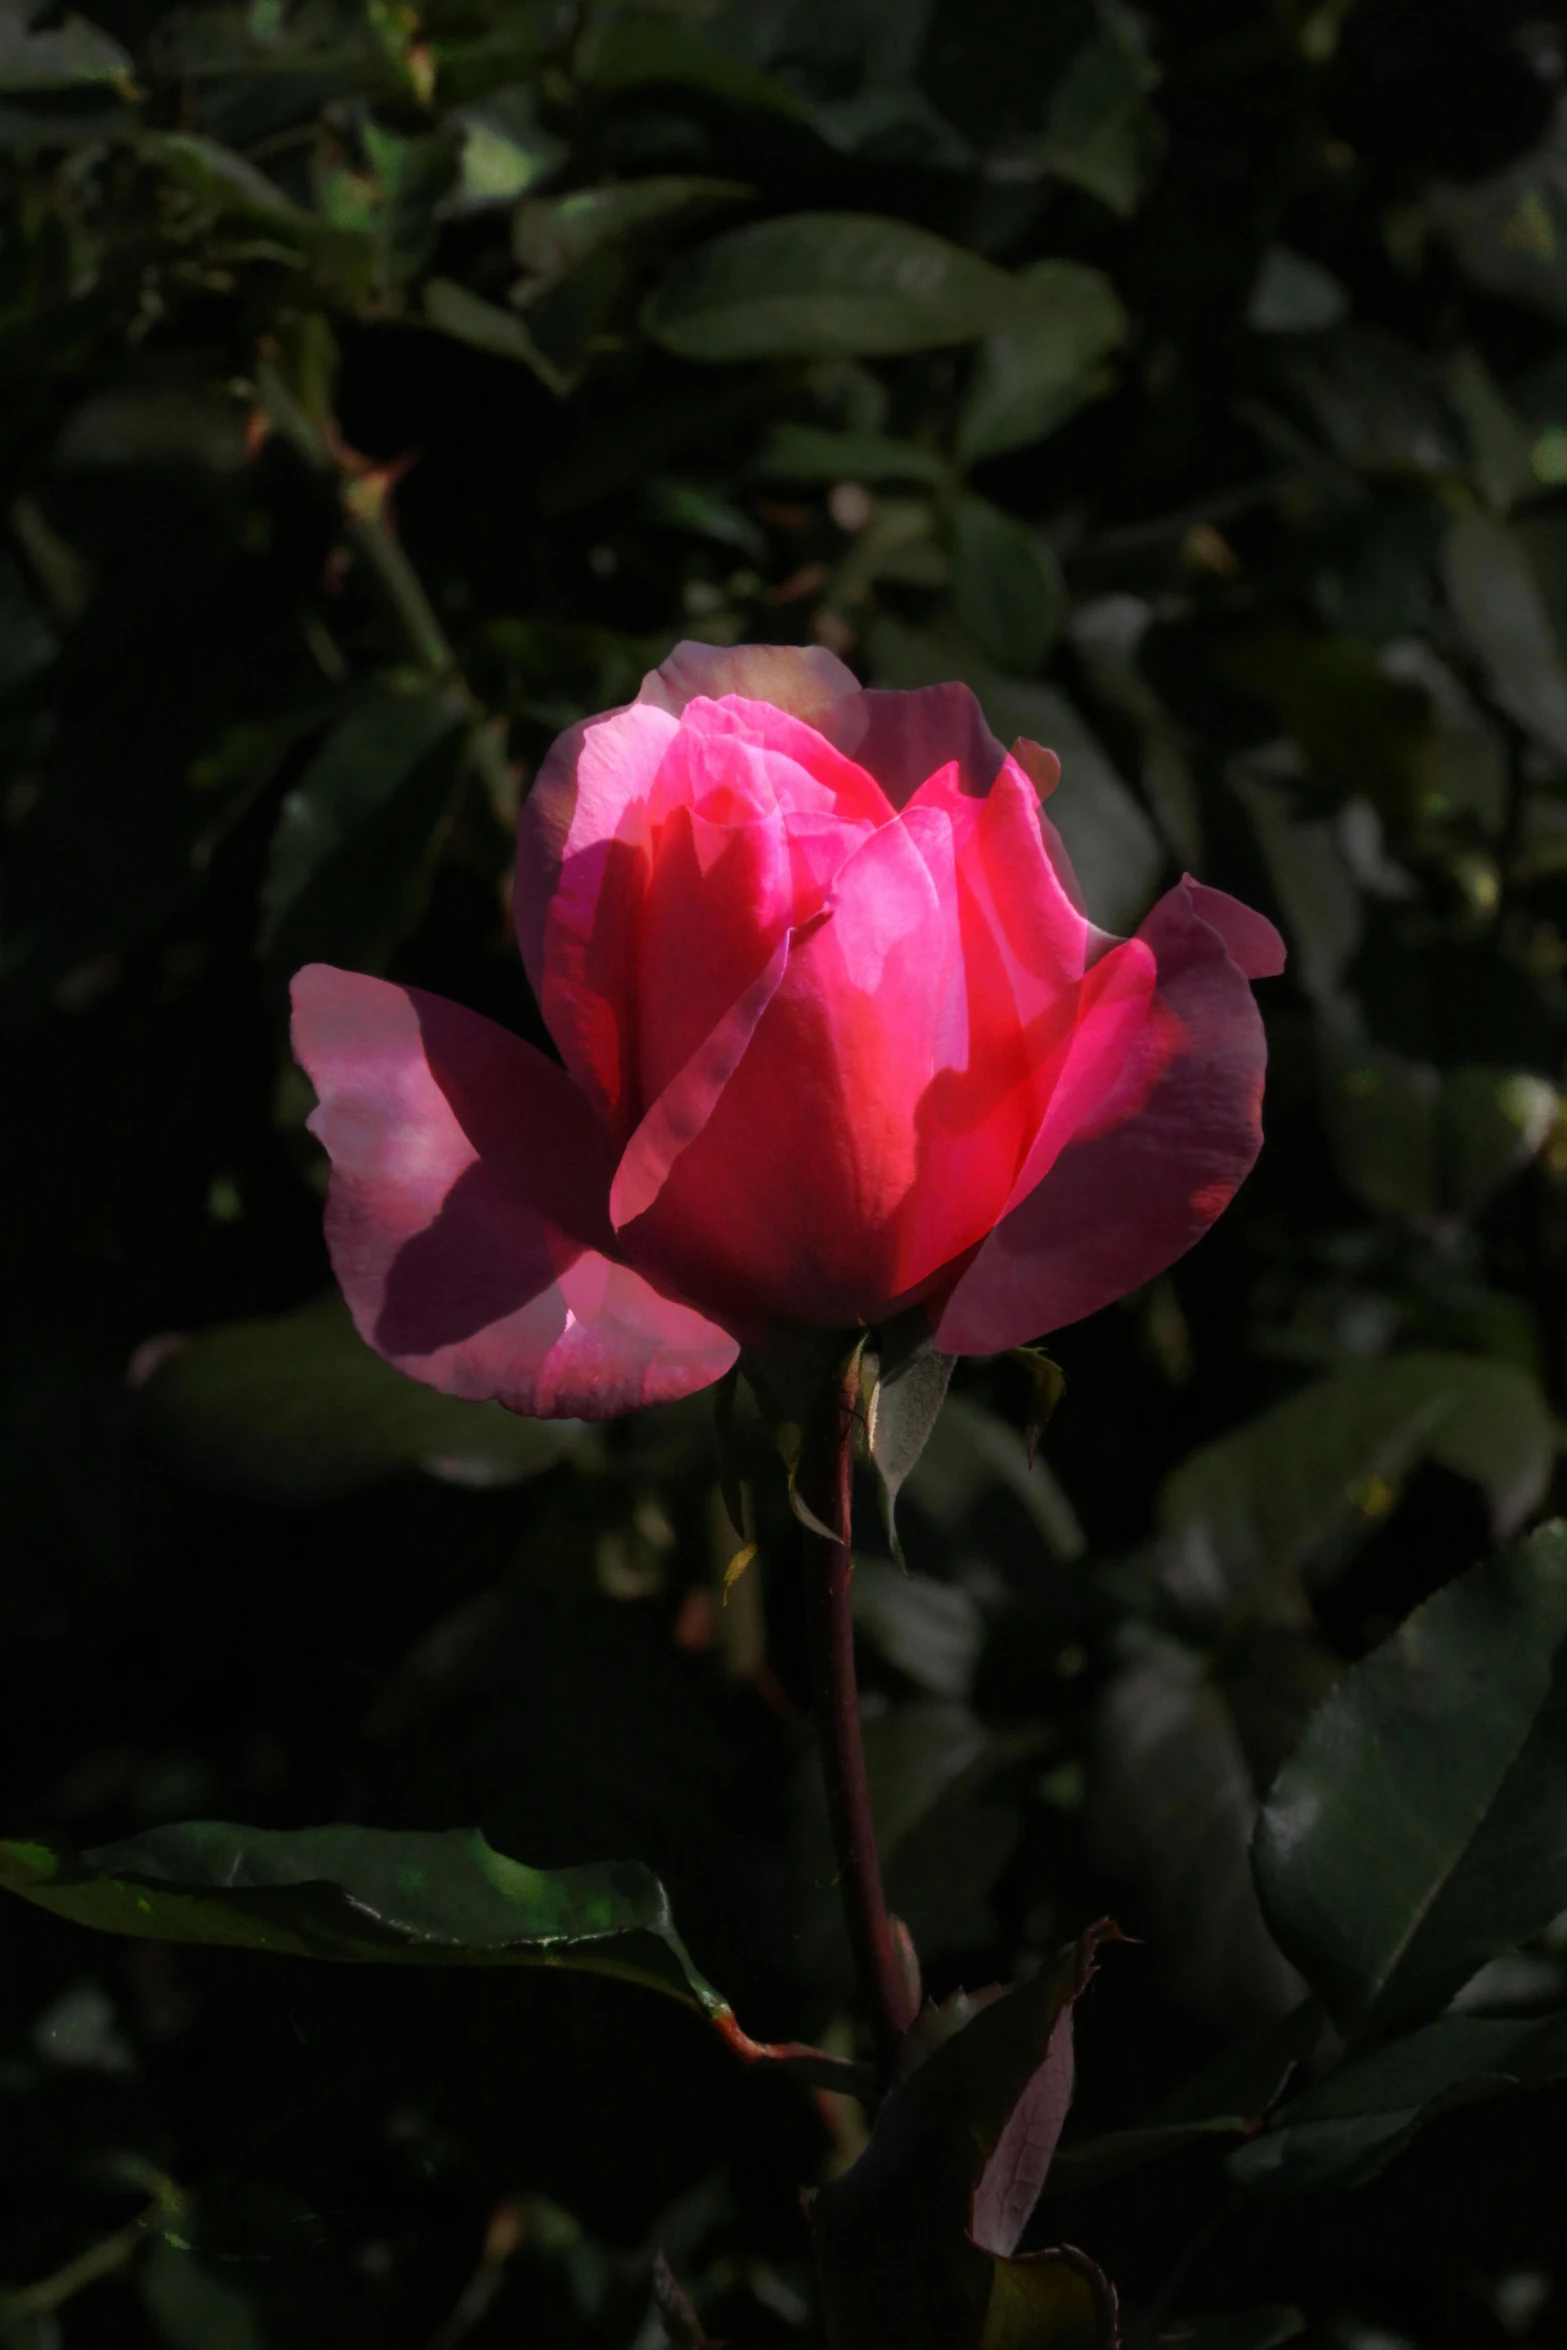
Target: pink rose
[839,1040]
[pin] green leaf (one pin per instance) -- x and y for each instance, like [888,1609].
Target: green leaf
[27,642]
[945,1830]
[1394,1858]
[1500,444]
[1491,1122]
[701,511]
[388,1897]
[1364,733]
[951,1851]
[192,2306]
[568,317]
[74,53]
[915,1755]
[809,452]
[1379,1112]
[905,1401]
[226,184]
[413,176]
[970,1450]
[377,1895]
[1419,1142]
[1228,2098]
[353,854]
[1317,895]
[931,1631]
[1377,401]
[1170,1810]
[1049,2301]
[1030,377]
[1265,1498]
[1509,232]
[1497,600]
[553,234]
[1006,582]
[628,53]
[297,1409]
[1466,772]
[495,72]
[452,310]
[504,153]
[916,2244]
[828,285]
[1100,132]
[1046,1387]
[1294,295]
[1344,2131]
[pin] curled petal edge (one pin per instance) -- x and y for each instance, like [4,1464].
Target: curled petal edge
[1131,1194]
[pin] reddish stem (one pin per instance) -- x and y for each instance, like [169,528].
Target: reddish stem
[885,1972]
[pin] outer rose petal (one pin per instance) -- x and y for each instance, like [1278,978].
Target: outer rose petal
[804,680]
[468,1214]
[581,871]
[1251,938]
[902,738]
[1146,1176]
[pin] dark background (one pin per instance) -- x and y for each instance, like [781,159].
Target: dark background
[1271,542]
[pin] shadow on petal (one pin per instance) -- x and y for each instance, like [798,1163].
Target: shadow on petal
[479,1262]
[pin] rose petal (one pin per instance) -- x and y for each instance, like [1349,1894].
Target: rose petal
[868,1135]
[1155,1158]
[812,779]
[805,680]
[902,738]
[914,1046]
[1005,851]
[582,867]
[1043,770]
[1026,953]
[686,1103]
[743,841]
[583,850]
[1042,767]
[1251,938]
[468,1213]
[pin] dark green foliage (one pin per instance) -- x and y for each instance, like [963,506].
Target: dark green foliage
[385,387]
[907,2245]
[1388,1922]
[362,1894]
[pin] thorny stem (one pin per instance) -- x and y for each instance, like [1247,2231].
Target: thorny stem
[380,551]
[885,1979]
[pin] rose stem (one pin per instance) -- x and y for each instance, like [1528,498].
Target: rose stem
[885,1982]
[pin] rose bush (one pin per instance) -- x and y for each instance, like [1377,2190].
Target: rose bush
[840,1041]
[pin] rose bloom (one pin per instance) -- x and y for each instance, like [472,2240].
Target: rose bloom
[840,1042]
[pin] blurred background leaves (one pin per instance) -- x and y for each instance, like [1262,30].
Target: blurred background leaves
[386,387]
